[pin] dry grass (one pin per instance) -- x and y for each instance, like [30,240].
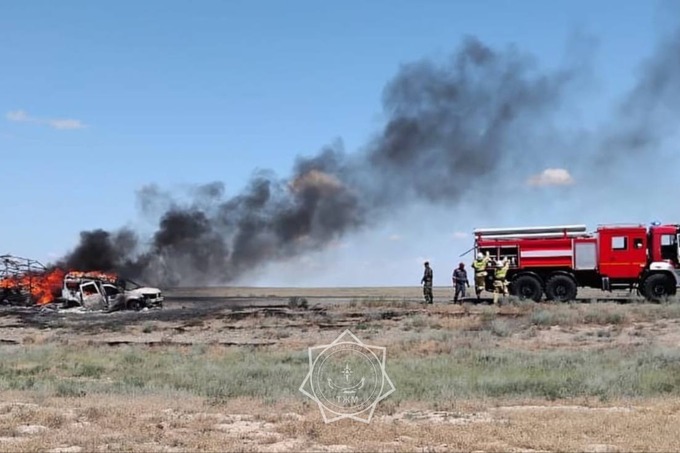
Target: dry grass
[509,428]
[556,377]
[148,423]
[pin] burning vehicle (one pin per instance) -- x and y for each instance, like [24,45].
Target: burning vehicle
[27,282]
[98,290]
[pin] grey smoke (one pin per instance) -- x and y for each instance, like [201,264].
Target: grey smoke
[648,114]
[451,127]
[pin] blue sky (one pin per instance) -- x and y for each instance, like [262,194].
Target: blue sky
[101,98]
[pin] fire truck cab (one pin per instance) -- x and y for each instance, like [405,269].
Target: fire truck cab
[556,260]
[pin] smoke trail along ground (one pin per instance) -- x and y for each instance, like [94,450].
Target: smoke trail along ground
[450,128]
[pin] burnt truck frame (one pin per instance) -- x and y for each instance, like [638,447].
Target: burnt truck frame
[109,294]
[17,278]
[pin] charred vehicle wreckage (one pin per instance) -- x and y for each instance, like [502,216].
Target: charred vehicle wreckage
[27,282]
[97,290]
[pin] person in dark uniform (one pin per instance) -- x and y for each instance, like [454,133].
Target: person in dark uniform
[426,281]
[460,282]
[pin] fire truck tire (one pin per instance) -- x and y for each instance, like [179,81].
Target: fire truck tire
[560,288]
[658,287]
[527,287]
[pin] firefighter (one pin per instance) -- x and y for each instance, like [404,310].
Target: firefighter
[426,281]
[460,281]
[479,265]
[500,282]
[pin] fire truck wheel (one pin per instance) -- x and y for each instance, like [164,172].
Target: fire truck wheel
[657,287]
[560,288]
[527,287]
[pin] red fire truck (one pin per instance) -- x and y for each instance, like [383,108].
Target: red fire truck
[556,260]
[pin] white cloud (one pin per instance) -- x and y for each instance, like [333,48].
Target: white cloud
[66,124]
[17,115]
[395,237]
[21,116]
[460,235]
[551,177]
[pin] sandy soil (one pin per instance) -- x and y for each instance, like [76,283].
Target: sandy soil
[150,424]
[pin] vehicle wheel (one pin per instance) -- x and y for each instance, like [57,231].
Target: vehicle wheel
[135,304]
[560,288]
[658,287]
[527,287]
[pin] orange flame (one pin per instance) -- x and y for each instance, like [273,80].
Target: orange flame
[41,286]
[104,276]
[44,285]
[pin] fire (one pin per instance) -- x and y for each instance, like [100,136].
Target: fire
[96,275]
[42,286]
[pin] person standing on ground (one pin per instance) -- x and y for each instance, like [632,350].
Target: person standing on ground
[426,281]
[500,283]
[479,265]
[460,281]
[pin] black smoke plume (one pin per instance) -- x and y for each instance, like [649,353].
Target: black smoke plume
[451,127]
[648,114]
